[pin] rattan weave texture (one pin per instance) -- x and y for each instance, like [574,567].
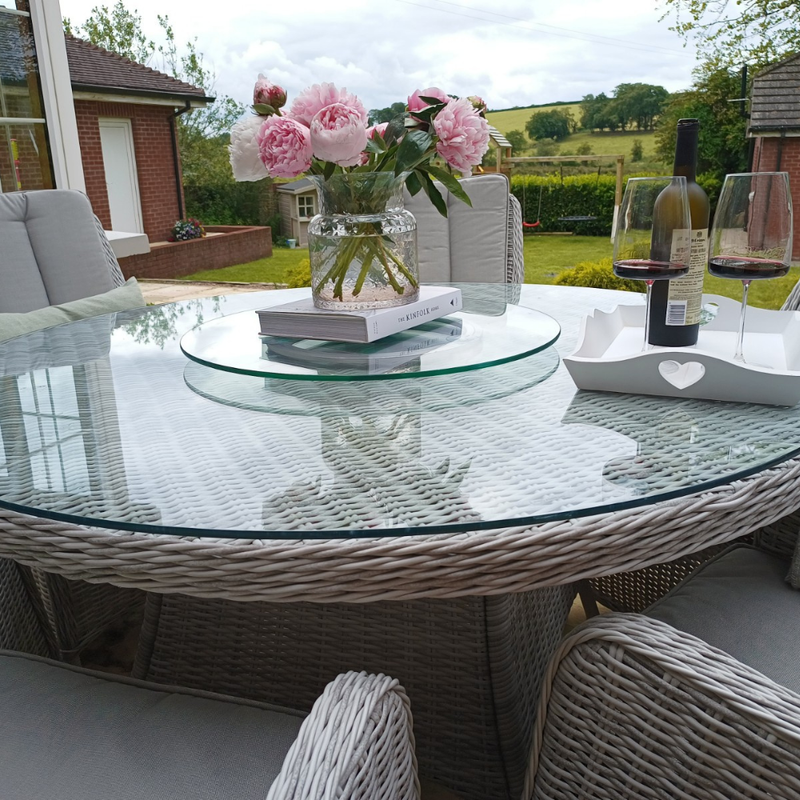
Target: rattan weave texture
[634,709]
[20,624]
[356,744]
[472,667]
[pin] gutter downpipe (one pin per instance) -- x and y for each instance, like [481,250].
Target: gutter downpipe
[175,155]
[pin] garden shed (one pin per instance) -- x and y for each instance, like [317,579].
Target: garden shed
[775,126]
[297,203]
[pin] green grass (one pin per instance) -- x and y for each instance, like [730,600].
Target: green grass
[545,257]
[265,270]
[602,142]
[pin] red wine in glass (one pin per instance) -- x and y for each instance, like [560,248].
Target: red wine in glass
[745,268]
[648,269]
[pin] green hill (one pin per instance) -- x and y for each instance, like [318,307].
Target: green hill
[602,142]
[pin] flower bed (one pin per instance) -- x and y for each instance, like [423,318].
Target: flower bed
[232,244]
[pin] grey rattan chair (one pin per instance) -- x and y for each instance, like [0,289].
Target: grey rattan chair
[698,699]
[20,620]
[74,734]
[636,591]
[479,243]
[54,251]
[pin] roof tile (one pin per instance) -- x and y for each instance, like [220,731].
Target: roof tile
[92,67]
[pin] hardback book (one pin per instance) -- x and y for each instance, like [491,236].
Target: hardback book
[303,320]
[395,353]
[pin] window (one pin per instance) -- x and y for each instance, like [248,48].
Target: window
[24,153]
[305,206]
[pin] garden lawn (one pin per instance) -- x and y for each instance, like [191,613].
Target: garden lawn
[545,258]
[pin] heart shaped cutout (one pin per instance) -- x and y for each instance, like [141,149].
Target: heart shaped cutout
[681,376]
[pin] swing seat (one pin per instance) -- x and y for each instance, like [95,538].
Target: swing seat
[577,219]
[531,224]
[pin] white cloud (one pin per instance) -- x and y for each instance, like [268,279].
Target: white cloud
[514,53]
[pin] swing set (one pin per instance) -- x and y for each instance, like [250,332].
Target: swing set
[531,226]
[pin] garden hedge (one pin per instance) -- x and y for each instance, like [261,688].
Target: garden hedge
[577,195]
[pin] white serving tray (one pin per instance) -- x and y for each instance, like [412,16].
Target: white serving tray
[609,357]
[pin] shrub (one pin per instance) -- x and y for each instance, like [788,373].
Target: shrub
[598,275]
[299,275]
[185,229]
[584,150]
[637,151]
[274,223]
[546,147]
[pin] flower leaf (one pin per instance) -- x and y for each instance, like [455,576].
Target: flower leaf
[412,184]
[263,110]
[413,150]
[450,181]
[433,193]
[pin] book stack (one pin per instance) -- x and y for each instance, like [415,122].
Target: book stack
[302,320]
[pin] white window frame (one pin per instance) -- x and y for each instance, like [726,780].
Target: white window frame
[59,108]
[300,215]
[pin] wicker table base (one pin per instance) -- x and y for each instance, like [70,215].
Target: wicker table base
[472,667]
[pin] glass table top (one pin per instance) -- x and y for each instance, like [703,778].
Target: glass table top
[456,343]
[106,422]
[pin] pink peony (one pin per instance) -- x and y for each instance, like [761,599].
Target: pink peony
[339,134]
[416,103]
[310,102]
[380,128]
[268,93]
[463,135]
[284,146]
[478,104]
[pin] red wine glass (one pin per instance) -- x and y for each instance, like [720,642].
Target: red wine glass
[751,237]
[652,240]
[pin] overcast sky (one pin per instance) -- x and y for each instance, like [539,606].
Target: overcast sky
[515,52]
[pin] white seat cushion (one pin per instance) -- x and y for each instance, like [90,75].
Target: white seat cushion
[70,734]
[51,250]
[470,245]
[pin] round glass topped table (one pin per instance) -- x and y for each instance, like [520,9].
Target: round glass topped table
[115,427]
[477,499]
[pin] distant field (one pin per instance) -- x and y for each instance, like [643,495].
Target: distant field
[602,143]
[515,120]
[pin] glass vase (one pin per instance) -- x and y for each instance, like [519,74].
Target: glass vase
[363,243]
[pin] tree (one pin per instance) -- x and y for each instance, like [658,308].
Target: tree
[639,104]
[722,146]
[377,115]
[552,124]
[518,140]
[733,32]
[595,113]
[203,133]
[637,151]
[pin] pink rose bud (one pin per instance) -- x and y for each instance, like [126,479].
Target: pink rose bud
[478,104]
[379,128]
[268,94]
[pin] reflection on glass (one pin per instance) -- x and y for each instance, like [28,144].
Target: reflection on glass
[24,154]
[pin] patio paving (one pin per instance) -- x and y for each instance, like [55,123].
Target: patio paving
[166,291]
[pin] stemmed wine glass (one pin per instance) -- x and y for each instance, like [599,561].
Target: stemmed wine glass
[751,237]
[653,236]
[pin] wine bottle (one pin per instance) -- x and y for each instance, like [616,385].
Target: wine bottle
[675,305]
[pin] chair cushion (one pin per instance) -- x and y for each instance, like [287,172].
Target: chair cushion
[120,299]
[470,245]
[740,603]
[51,253]
[72,734]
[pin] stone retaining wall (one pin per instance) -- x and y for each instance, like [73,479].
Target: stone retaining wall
[238,245]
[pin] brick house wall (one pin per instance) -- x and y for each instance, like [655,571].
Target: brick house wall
[769,155]
[155,165]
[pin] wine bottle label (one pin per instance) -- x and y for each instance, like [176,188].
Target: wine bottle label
[685,296]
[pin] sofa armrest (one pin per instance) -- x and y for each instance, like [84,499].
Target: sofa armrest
[357,742]
[633,708]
